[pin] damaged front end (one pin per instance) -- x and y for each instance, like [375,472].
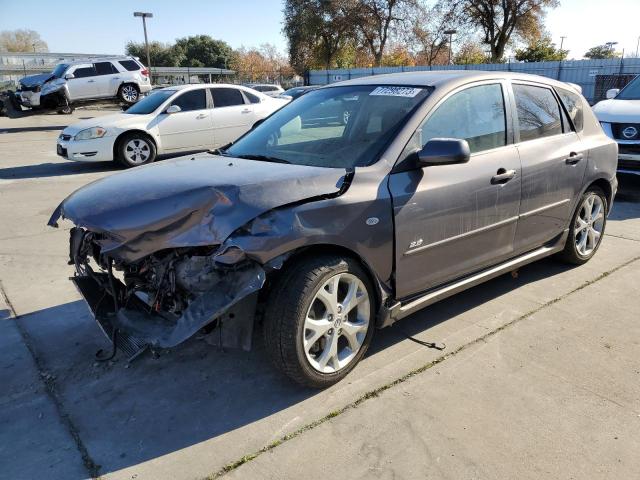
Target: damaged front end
[164,298]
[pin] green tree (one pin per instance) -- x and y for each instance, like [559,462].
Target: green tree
[602,51]
[161,54]
[500,20]
[203,51]
[471,54]
[541,50]
[22,41]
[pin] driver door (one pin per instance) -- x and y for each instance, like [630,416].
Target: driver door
[191,127]
[451,220]
[83,84]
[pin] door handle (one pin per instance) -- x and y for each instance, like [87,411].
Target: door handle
[90,81]
[573,158]
[201,116]
[246,110]
[503,176]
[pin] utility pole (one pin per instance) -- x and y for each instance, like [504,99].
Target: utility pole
[562,41]
[637,45]
[144,16]
[450,33]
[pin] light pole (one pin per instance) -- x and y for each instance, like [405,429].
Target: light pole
[637,45]
[610,45]
[450,33]
[562,42]
[144,16]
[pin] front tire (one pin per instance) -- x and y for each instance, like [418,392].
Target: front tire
[319,320]
[587,227]
[135,149]
[129,93]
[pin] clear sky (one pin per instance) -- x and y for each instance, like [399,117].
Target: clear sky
[92,26]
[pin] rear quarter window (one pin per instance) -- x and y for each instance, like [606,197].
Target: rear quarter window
[538,112]
[129,65]
[573,105]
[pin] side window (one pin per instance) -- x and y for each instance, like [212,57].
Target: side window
[129,65]
[250,97]
[226,97]
[192,100]
[104,68]
[573,103]
[476,114]
[538,112]
[84,71]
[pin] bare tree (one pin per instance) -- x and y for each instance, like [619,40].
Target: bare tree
[428,27]
[499,20]
[22,41]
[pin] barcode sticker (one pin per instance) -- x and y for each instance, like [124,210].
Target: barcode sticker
[409,92]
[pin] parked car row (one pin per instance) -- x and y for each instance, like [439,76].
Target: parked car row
[323,225]
[124,78]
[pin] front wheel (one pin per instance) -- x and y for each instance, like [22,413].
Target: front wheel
[135,149]
[587,227]
[319,320]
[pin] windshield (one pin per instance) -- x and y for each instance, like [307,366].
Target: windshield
[151,102]
[631,91]
[59,70]
[340,127]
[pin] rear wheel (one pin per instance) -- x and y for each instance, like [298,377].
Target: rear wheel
[319,320]
[135,149]
[587,227]
[128,93]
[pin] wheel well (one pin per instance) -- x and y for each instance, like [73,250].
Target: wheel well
[605,186]
[116,144]
[326,249]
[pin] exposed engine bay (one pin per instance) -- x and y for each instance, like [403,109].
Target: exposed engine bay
[164,298]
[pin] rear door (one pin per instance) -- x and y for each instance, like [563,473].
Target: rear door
[553,164]
[451,220]
[107,79]
[190,128]
[83,85]
[232,115]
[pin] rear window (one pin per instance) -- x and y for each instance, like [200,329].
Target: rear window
[105,68]
[226,97]
[573,104]
[129,65]
[538,112]
[251,98]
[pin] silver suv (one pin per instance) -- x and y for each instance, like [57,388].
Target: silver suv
[122,77]
[439,181]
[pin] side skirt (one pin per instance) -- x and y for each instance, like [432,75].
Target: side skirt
[401,310]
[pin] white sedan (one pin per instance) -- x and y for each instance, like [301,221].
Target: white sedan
[169,120]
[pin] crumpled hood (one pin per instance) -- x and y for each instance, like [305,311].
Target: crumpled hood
[33,80]
[108,122]
[189,201]
[618,111]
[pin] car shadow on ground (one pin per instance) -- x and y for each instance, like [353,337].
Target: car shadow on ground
[54,170]
[196,392]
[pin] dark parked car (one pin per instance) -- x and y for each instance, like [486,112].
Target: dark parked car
[438,182]
[296,92]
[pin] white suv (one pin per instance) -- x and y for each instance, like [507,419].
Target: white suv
[619,116]
[121,77]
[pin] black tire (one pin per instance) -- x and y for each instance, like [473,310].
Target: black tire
[571,254]
[123,156]
[129,93]
[286,310]
[65,110]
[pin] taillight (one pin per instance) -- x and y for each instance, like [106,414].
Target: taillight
[145,72]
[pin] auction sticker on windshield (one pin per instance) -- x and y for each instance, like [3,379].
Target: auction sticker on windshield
[409,92]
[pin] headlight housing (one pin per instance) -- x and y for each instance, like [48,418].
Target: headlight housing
[90,133]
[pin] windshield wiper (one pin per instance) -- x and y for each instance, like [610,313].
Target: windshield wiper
[262,158]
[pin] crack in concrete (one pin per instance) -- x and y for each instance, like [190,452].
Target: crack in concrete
[623,238]
[50,387]
[377,391]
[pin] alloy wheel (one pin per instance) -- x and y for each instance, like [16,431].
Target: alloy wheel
[129,93]
[589,224]
[336,323]
[137,151]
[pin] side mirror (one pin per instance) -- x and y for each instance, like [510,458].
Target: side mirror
[173,109]
[125,107]
[444,151]
[257,123]
[69,76]
[612,93]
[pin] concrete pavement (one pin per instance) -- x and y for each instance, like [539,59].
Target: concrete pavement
[196,410]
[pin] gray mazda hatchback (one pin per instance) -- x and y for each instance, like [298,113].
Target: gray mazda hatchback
[424,184]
